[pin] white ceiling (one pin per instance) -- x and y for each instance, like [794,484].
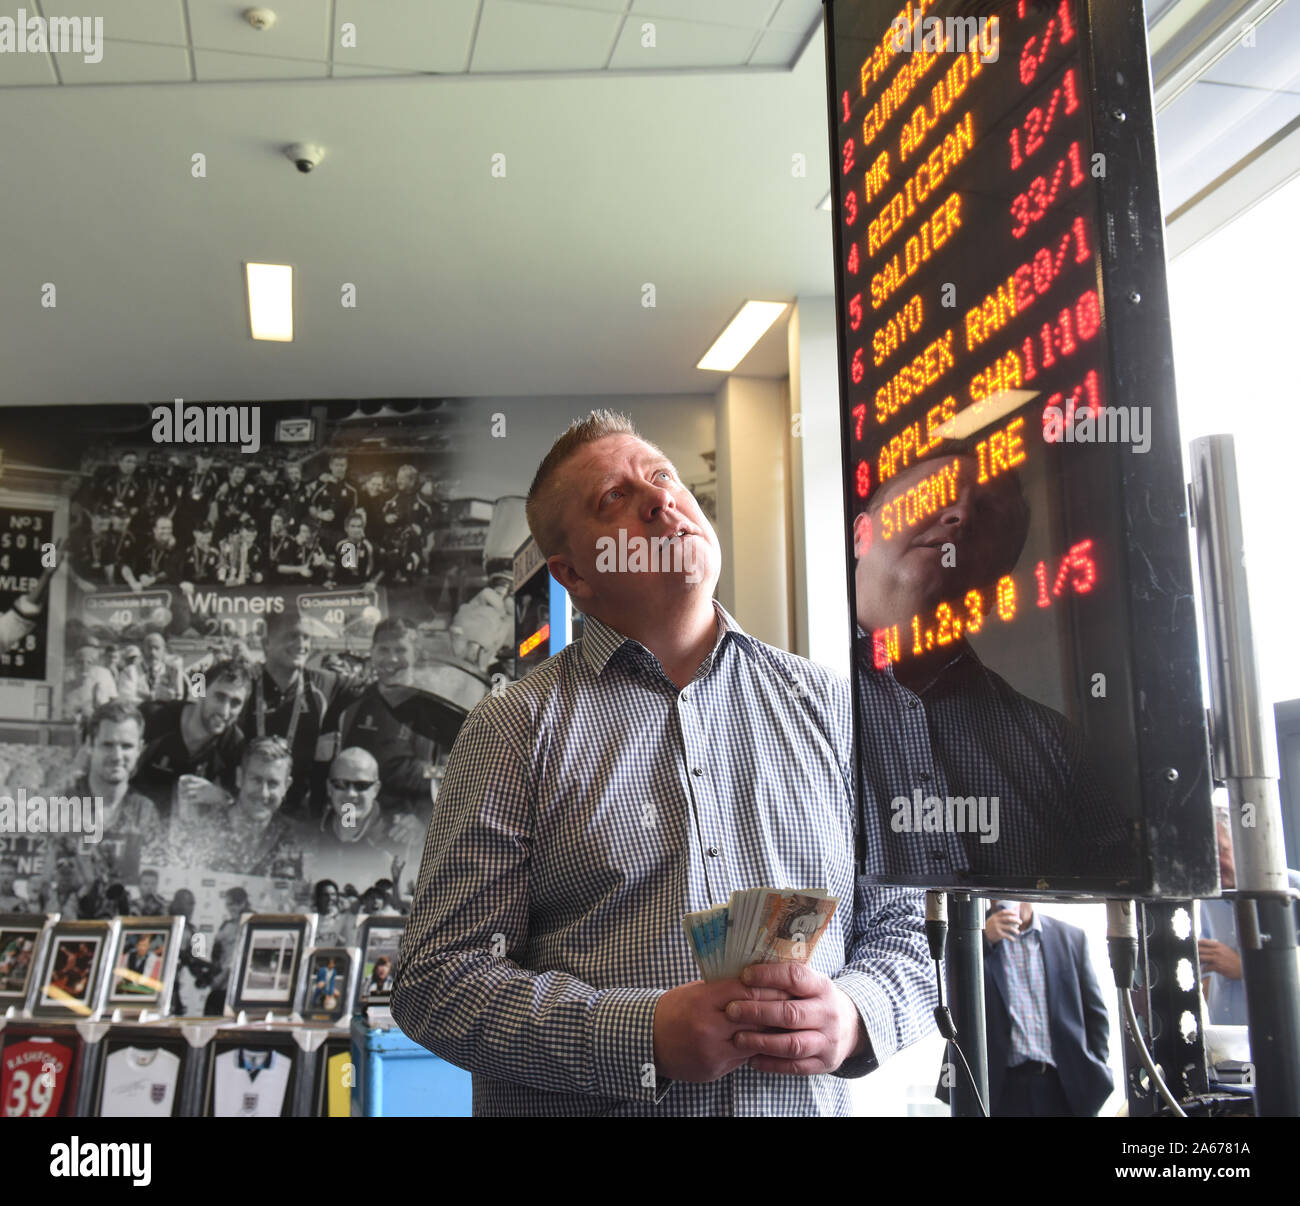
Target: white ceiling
[618,175]
[174,41]
[466,284]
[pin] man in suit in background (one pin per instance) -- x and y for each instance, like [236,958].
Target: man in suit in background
[1048,1030]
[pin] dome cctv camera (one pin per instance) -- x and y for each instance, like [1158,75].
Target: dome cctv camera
[305,155]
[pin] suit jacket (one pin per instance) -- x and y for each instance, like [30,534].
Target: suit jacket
[1077,1019]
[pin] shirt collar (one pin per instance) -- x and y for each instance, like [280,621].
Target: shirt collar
[600,642]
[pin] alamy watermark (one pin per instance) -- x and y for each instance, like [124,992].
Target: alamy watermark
[1102,425]
[195,424]
[911,33]
[53,814]
[56,35]
[675,554]
[951,814]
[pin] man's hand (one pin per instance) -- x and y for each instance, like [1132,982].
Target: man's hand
[1005,923]
[817,1025]
[1216,957]
[694,1040]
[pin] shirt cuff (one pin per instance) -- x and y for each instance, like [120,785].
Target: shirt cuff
[624,1045]
[876,1014]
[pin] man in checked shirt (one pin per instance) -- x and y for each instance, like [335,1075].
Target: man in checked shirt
[647,771]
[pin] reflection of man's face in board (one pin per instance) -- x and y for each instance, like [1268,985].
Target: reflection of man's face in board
[900,564]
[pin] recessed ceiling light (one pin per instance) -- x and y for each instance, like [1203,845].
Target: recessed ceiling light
[983,414]
[745,330]
[270,301]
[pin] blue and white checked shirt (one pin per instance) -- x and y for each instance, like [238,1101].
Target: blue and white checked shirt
[584,811]
[1026,973]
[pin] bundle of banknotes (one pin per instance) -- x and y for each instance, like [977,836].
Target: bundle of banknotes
[758,925]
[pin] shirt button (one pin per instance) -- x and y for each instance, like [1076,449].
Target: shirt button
[913,703]
[924,776]
[713,852]
[697,772]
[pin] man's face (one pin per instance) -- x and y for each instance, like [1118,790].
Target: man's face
[406,478]
[304,534]
[222,704]
[117,522]
[353,785]
[8,873]
[148,883]
[66,870]
[237,475]
[154,646]
[142,944]
[162,530]
[293,474]
[338,467]
[277,524]
[87,657]
[621,484]
[115,750]
[374,485]
[262,784]
[288,649]
[127,463]
[900,565]
[356,530]
[202,538]
[394,657]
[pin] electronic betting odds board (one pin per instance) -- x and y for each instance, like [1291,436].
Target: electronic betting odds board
[1027,703]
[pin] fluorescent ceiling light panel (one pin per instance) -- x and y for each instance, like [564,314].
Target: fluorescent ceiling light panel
[745,330]
[270,301]
[980,415]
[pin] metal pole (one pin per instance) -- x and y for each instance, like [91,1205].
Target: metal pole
[1245,758]
[965,976]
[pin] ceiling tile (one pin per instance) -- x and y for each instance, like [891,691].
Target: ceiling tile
[750,13]
[127,20]
[608,6]
[513,36]
[681,44]
[412,35]
[212,65]
[777,49]
[127,63]
[26,69]
[347,71]
[301,30]
[797,16]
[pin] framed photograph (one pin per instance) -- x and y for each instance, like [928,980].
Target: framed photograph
[251,1076]
[73,977]
[329,983]
[268,957]
[144,963]
[380,939]
[335,1078]
[141,1073]
[21,948]
[40,1070]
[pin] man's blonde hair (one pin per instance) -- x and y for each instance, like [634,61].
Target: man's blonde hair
[544,504]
